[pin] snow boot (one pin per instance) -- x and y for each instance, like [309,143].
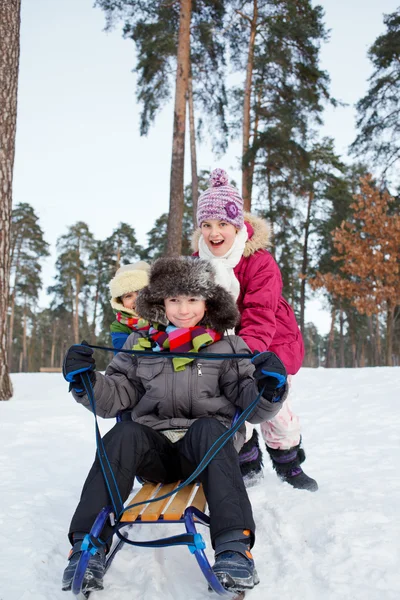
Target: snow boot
[93,579]
[251,461]
[287,466]
[234,564]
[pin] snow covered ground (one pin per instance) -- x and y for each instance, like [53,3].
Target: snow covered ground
[342,542]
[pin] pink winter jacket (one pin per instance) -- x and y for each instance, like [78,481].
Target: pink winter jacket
[267,320]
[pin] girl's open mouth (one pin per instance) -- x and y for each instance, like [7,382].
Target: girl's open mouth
[217,243]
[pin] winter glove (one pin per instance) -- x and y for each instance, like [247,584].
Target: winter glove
[271,375]
[78,359]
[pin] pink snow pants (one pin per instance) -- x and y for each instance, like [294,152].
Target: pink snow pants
[283,431]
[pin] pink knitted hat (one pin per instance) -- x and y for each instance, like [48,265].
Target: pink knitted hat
[220,201]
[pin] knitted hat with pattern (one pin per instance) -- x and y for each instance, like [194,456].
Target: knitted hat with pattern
[220,201]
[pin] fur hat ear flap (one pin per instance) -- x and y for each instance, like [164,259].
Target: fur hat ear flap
[150,310]
[222,312]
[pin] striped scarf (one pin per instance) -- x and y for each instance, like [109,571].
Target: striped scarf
[177,339]
[134,323]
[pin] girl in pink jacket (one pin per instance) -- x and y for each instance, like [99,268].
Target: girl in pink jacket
[236,243]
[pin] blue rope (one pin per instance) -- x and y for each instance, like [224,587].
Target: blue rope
[209,455]
[169,354]
[207,458]
[101,451]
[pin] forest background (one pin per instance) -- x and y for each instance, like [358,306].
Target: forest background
[257,93]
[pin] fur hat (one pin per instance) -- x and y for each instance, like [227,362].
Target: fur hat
[128,278]
[220,201]
[187,276]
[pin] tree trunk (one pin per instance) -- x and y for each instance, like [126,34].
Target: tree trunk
[353,341]
[247,111]
[331,339]
[389,335]
[176,199]
[24,345]
[304,265]
[76,315]
[42,351]
[10,11]
[193,153]
[252,160]
[12,304]
[378,341]
[53,344]
[271,210]
[96,301]
[374,349]
[341,339]
[118,261]
[362,355]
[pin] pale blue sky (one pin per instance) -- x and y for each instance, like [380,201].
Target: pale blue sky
[79,155]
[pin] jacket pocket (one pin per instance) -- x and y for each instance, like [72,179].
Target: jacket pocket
[152,372]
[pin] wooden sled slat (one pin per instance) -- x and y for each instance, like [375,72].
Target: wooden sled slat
[145,493]
[154,510]
[173,509]
[177,507]
[199,501]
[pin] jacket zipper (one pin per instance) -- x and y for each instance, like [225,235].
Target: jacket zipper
[199,371]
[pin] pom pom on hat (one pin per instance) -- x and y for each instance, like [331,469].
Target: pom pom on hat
[218,177]
[221,201]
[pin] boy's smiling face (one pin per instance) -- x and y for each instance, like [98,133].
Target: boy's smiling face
[184,311]
[129,300]
[218,235]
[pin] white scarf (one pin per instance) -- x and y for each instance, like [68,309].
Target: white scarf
[225,264]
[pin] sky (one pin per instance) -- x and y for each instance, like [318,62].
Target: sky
[79,155]
[340,543]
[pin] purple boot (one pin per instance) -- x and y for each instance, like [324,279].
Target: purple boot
[287,466]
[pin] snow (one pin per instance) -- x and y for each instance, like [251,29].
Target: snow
[342,542]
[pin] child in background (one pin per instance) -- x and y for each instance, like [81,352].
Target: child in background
[237,244]
[179,408]
[124,288]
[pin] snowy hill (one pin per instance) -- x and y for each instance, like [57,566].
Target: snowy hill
[342,542]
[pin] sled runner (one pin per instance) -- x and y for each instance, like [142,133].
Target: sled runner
[186,506]
[180,502]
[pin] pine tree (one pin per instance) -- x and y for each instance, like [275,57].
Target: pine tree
[157,236]
[284,86]
[28,248]
[165,34]
[121,247]
[9,64]
[322,170]
[73,275]
[379,110]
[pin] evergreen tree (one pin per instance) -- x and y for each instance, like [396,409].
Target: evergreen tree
[73,275]
[379,110]
[28,248]
[157,236]
[323,166]
[164,34]
[284,86]
[121,247]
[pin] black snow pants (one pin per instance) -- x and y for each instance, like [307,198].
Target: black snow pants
[135,449]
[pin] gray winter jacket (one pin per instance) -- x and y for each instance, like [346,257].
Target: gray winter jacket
[162,398]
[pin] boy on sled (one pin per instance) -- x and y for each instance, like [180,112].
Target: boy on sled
[179,408]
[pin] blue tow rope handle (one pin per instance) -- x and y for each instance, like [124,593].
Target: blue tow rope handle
[111,483]
[169,354]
